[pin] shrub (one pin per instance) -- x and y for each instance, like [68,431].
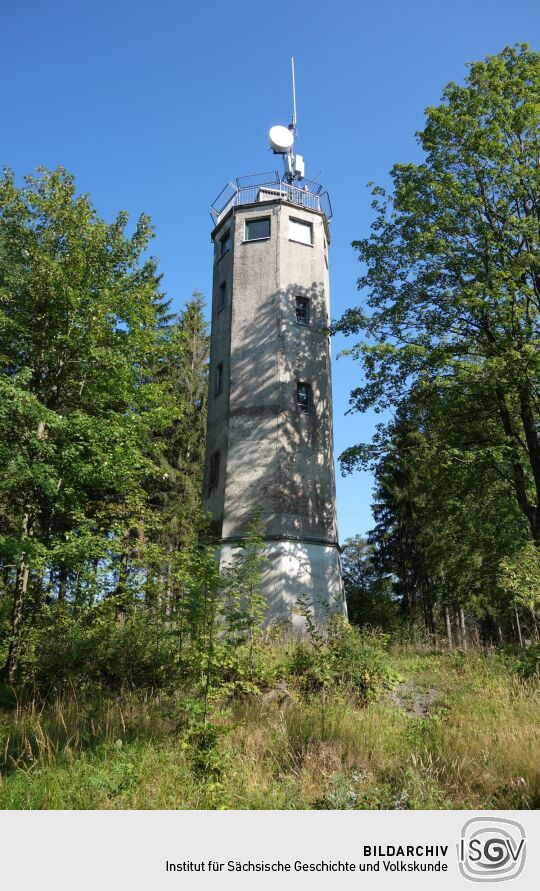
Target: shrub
[348,659]
[526,663]
[205,752]
[87,649]
[359,660]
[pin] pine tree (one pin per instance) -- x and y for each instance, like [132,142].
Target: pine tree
[245,605]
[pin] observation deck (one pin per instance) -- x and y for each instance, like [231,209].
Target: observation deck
[261,187]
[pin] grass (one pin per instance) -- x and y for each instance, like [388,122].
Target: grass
[460,731]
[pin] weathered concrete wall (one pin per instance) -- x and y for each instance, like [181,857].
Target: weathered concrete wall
[294,569]
[274,461]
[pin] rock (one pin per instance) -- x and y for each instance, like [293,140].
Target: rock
[415,700]
[279,697]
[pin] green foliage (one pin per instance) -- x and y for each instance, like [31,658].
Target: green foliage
[450,329]
[205,751]
[128,655]
[520,577]
[340,794]
[182,372]
[474,748]
[359,660]
[245,605]
[102,413]
[346,659]
[409,789]
[90,650]
[526,663]
[369,592]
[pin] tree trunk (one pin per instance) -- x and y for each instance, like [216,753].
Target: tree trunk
[62,582]
[120,592]
[533,450]
[169,588]
[535,625]
[9,671]
[448,627]
[121,588]
[463,628]
[429,620]
[92,586]
[531,512]
[457,627]
[518,627]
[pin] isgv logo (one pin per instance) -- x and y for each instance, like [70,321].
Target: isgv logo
[491,849]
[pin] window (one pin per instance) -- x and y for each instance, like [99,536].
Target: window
[302,310]
[218,379]
[214,470]
[300,231]
[303,398]
[222,297]
[257,229]
[225,243]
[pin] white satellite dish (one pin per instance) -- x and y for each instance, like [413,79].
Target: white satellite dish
[281,139]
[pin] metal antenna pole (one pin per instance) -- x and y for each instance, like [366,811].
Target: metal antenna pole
[293,98]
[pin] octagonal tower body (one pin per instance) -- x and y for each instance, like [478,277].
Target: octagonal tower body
[270,440]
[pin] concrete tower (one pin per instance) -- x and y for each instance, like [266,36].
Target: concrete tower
[269,444]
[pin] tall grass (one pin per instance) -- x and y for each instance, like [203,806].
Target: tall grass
[474,745]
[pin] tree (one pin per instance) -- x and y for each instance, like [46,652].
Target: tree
[245,604]
[183,371]
[445,516]
[80,313]
[520,578]
[368,589]
[453,269]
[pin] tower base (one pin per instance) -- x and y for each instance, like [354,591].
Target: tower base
[293,571]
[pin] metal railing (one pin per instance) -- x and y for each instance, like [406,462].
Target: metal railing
[261,187]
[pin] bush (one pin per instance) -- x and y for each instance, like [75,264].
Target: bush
[348,659]
[526,663]
[87,649]
[359,660]
[204,749]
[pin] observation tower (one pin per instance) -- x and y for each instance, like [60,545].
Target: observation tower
[269,450]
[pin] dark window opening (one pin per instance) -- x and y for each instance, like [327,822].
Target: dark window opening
[222,296]
[218,380]
[214,470]
[224,243]
[257,229]
[302,310]
[303,398]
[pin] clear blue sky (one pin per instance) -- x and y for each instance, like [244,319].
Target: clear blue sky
[154,106]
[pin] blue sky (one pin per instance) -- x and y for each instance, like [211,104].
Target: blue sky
[154,106]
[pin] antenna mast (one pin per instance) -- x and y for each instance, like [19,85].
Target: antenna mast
[293,122]
[282,142]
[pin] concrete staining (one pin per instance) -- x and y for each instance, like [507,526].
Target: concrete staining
[264,456]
